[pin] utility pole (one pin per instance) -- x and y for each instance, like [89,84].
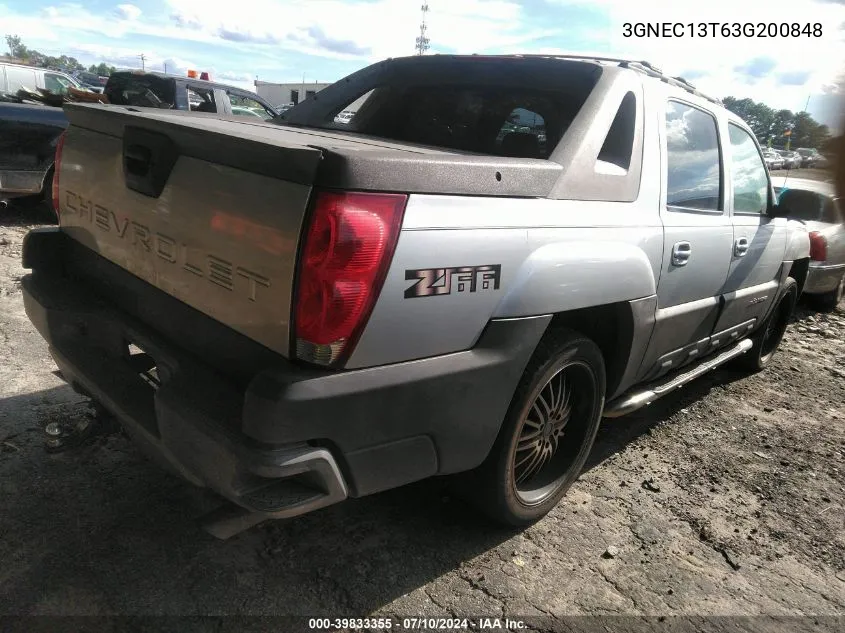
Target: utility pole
[422,40]
[165,68]
[143,58]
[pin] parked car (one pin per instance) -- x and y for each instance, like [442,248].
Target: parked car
[817,205]
[791,160]
[14,77]
[29,133]
[810,156]
[318,311]
[773,160]
[344,117]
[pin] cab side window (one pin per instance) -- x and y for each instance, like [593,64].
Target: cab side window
[201,99]
[56,83]
[749,175]
[247,106]
[694,178]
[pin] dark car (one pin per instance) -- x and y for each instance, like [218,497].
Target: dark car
[28,133]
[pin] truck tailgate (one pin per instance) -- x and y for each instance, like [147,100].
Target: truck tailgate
[218,230]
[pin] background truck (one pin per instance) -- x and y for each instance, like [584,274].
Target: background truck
[29,132]
[295,313]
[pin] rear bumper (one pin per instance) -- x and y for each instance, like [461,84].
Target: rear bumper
[823,278]
[17,183]
[290,439]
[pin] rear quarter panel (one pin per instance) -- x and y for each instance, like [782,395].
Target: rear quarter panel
[797,241]
[526,256]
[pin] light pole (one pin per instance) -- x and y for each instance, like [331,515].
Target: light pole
[143,59]
[422,40]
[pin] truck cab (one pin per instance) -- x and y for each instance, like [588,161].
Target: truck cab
[160,90]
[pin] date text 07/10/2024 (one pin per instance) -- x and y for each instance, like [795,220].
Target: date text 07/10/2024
[721,29]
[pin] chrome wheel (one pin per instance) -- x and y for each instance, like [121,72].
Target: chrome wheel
[552,432]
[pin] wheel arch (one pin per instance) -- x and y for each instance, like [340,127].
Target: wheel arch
[612,328]
[798,271]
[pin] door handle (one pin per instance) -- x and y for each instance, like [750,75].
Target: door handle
[741,246]
[681,252]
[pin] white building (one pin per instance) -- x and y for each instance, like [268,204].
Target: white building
[282,94]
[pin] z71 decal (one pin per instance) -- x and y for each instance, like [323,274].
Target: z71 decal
[438,281]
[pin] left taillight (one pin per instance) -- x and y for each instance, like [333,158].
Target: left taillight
[818,247]
[57,167]
[347,250]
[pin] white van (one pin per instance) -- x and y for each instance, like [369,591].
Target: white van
[13,77]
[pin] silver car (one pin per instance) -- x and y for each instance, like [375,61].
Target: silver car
[773,159]
[816,204]
[792,160]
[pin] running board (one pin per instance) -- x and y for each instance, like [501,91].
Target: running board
[639,398]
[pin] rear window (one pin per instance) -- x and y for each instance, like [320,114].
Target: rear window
[802,204]
[143,91]
[497,120]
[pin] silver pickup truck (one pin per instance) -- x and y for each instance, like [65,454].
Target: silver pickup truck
[489,257]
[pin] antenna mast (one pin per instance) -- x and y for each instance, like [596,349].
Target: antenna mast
[422,40]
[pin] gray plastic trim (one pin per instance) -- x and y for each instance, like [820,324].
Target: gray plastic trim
[579,149]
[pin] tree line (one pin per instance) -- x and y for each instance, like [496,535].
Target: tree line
[771,126]
[18,50]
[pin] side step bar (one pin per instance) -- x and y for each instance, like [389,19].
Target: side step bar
[641,397]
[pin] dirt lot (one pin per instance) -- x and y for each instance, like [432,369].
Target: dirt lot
[725,498]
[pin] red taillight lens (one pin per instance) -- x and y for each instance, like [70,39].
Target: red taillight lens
[346,253]
[57,166]
[818,247]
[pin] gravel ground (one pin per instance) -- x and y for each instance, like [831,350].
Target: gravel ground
[725,498]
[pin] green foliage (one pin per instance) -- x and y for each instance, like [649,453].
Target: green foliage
[16,47]
[101,70]
[768,124]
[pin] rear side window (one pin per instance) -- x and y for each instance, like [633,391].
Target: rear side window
[57,84]
[201,99]
[694,179]
[143,91]
[749,175]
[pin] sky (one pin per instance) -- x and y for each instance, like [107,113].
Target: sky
[324,40]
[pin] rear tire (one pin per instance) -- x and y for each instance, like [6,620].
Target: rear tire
[768,337]
[547,434]
[828,301]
